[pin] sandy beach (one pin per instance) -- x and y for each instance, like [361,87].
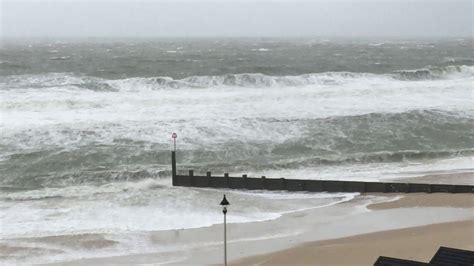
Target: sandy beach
[415,243]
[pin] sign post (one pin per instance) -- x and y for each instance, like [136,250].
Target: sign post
[174,136]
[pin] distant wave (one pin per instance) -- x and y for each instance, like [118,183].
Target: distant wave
[249,80]
[436,72]
[71,81]
[458,62]
[377,157]
[54,80]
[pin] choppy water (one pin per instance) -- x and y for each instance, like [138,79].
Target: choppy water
[182,58]
[84,124]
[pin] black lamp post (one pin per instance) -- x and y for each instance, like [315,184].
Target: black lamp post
[224,204]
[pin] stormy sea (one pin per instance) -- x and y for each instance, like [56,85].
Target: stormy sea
[86,129]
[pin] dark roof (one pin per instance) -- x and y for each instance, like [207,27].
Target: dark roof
[387,261]
[453,257]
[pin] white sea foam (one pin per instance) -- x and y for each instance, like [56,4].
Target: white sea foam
[136,108]
[378,171]
[76,210]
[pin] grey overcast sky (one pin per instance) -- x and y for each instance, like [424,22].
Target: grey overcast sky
[258,18]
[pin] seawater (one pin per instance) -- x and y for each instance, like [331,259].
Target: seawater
[86,126]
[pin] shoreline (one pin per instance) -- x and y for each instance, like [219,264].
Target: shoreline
[368,213]
[249,242]
[418,243]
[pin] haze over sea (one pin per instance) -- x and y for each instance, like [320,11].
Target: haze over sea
[86,125]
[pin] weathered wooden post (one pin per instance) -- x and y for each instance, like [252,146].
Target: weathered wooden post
[173,167]
[227,182]
[208,178]
[192,179]
[173,159]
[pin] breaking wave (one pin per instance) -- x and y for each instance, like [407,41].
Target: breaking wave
[54,80]
[370,138]
[253,80]
[436,73]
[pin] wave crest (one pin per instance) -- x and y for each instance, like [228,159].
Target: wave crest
[451,71]
[248,80]
[254,80]
[55,80]
[362,139]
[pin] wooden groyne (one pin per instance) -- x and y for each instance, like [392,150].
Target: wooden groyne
[264,183]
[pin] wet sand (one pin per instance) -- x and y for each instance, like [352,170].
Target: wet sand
[426,200]
[416,243]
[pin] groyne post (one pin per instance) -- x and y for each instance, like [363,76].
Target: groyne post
[227,182]
[173,167]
